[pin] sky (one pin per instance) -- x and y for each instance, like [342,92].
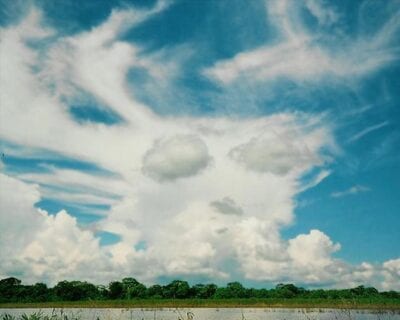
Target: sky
[209,141]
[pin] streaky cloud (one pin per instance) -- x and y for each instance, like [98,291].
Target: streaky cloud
[351,191]
[300,57]
[366,131]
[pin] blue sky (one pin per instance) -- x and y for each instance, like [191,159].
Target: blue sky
[212,140]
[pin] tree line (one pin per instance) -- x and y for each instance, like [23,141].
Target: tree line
[12,290]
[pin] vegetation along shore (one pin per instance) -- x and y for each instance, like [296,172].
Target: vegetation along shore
[130,293]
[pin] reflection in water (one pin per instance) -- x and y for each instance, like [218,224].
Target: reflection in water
[208,314]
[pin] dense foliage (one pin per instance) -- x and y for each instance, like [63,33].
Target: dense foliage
[12,290]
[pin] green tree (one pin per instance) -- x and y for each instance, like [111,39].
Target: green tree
[232,290]
[116,290]
[177,289]
[318,294]
[155,291]
[102,292]
[221,293]
[39,292]
[75,290]
[235,290]
[9,288]
[133,288]
[391,294]
[204,291]
[288,290]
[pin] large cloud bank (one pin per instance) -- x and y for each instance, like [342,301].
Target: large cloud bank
[198,192]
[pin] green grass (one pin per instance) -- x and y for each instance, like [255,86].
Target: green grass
[387,304]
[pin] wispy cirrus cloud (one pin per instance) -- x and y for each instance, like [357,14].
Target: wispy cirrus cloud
[300,57]
[367,130]
[351,191]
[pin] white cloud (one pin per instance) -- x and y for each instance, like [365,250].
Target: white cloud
[353,190]
[391,274]
[176,157]
[365,131]
[76,196]
[319,9]
[277,153]
[307,257]
[59,248]
[260,251]
[312,250]
[316,179]
[256,169]
[16,214]
[227,206]
[43,247]
[68,183]
[299,57]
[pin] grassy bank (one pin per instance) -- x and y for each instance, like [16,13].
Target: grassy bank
[387,304]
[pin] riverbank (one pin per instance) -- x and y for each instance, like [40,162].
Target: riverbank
[387,304]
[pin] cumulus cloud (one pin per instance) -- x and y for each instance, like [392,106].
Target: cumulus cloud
[391,274]
[265,255]
[41,246]
[260,250]
[276,154]
[312,250]
[307,258]
[60,246]
[16,214]
[176,157]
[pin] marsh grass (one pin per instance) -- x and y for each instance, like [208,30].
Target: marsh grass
[375,304]
[40,315]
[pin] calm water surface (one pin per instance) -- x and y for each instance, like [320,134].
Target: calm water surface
[212,314]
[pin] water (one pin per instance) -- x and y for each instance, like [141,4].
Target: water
[212,314]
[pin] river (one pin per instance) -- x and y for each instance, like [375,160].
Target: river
[208,314]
